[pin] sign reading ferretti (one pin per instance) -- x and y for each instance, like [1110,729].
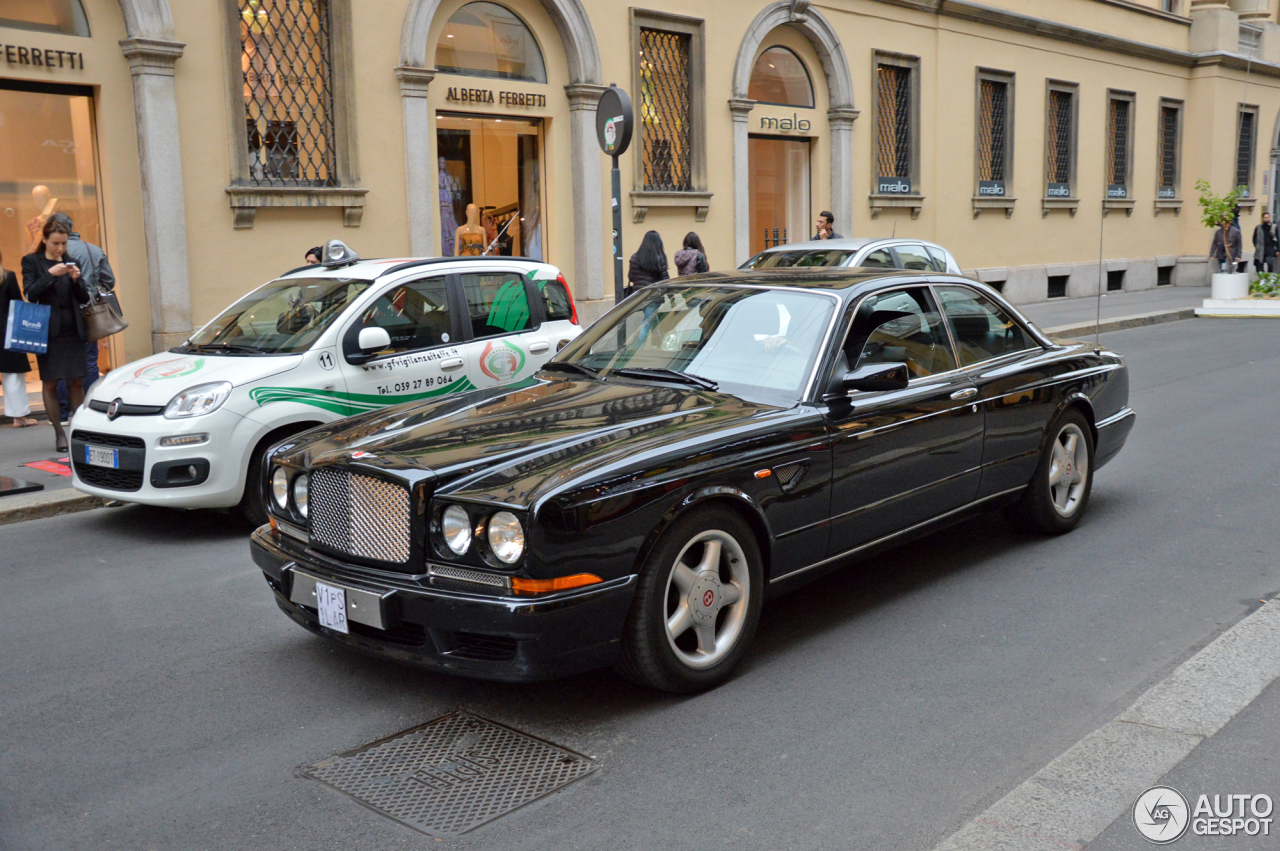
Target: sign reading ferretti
[457,94]
[15,54]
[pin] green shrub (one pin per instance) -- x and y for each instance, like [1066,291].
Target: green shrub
[1267,285]
[1217,207]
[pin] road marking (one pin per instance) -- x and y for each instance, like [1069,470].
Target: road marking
[1078,795]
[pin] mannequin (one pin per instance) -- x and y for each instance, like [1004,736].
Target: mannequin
[46,204]
[469,240]
[449,192]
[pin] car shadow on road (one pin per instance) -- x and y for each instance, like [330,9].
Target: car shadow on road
[148,524]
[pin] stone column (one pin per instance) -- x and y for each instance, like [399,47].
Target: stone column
[164,212]
[421,192]
[741,110]
[840,128]
[589,220]
[1252,11]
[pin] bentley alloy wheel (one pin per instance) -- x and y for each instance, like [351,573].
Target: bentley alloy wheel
[696,605]
[1068,470]
[1058,492]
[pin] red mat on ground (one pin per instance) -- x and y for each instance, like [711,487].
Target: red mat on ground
[50,467]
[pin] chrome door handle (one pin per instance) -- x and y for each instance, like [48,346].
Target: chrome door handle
[966,393]
[539,347]
[452,363]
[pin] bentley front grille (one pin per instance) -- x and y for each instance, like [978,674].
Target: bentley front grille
[359,515]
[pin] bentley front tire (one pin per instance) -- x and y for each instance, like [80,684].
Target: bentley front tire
[696,606]
[1059,492]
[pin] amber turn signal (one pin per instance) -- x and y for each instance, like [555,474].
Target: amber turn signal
[545,586]
[763,474]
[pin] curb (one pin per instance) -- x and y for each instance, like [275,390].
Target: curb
[1070,801]
[36,506]
[1121,323]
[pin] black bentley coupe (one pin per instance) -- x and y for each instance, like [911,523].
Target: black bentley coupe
[710,442]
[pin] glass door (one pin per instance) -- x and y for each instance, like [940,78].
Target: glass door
[490,186]
[779,180]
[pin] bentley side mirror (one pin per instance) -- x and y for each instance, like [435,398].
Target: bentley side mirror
[877,377]
[373,339]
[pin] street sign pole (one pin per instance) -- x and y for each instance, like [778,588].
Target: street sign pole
[613,130]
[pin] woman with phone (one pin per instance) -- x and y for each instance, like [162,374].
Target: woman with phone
[48,278]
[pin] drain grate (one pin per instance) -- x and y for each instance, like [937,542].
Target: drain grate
[451,775]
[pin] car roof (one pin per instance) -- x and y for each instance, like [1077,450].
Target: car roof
[811,278]
[847,244]
[369,270]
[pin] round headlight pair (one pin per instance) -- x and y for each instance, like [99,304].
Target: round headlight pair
[506,535]
[280,490]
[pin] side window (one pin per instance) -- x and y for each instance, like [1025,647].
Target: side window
[496,303]
[416,315]
[902,326]
[982,329]
[939,258]
[878,259]
[555,301]
[914,257]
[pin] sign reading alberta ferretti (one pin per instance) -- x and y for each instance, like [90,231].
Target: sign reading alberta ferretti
[457,94]
[41,57]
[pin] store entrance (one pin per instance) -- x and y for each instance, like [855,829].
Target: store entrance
[493,164]
[779,181]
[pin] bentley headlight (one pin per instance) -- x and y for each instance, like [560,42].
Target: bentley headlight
[456,528]
[300,486]
[280,487]
[198,401]
[506,537]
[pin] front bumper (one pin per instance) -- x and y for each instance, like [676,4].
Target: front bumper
[447,626]
[1112,434]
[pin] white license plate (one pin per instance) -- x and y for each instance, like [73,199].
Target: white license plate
[101,456]
[332,603]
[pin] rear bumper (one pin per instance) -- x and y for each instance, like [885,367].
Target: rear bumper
[1112,433]
[444,626]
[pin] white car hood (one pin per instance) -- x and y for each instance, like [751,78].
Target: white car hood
[157,379]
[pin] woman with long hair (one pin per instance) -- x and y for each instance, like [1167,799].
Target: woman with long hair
[649,264]
[48,278]
[693,257]
[14,366]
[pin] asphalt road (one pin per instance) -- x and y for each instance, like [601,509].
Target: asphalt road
[152,696]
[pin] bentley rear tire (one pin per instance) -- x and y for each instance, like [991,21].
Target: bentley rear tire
[696,606]
[1059,491]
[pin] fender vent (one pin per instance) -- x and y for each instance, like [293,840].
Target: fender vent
[790,475]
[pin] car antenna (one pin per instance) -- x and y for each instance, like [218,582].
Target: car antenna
[895,229]
[1097,325]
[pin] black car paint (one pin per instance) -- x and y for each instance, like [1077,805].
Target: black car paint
[597,470]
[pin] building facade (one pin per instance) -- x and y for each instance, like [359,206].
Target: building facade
[207,145]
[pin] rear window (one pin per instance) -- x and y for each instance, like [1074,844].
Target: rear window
[555,300]
[800,258]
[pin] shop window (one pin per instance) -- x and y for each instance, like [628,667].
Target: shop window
[497,302]
[1170,151]
[1060,141]
[1119,145]
[995,133]
[897,127]
[488,40]
[780,77]
[65,17]
[779,191]
[1246,147]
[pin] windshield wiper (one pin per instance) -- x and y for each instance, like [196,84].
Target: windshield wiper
[570,366]
[671,374]
[224,347]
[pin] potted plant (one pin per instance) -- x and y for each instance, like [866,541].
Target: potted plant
[1216,209]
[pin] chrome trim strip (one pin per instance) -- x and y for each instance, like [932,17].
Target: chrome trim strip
[1122,414]
[899,533]
[295,532]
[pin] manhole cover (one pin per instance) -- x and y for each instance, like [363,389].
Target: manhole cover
[452,774]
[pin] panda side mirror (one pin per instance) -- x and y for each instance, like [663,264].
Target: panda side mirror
[369,342]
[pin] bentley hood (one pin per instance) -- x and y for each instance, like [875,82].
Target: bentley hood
[157,379]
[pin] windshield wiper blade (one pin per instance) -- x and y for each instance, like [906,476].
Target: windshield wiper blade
[671,374]
[225,347]
[570,366]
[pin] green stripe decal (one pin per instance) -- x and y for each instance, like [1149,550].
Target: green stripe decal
[348,404]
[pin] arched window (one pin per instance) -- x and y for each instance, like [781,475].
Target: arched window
[65,17]
[780,77]
[488,40]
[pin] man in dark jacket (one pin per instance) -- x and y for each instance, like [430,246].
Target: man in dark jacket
[1227,247]
[1266,245]
[96,273]
[824,225]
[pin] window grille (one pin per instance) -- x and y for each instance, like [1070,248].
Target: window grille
[1058,153]
[893,119]
[1115,280]
[994,106]
[666,95]
[1058,286]
[1118,142]
[1244,150]
[1168,145]
[288,92]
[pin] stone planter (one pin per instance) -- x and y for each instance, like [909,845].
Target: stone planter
[1229,285]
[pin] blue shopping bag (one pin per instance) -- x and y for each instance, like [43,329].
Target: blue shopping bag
[28,328]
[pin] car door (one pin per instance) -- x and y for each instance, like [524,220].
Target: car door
[507,339]
[425,358]
[1000,358]
[900,457]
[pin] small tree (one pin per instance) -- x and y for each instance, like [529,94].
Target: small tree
[1217,207]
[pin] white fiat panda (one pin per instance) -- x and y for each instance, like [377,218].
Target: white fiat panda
[187,428]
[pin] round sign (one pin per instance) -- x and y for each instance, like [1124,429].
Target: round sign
[614,121]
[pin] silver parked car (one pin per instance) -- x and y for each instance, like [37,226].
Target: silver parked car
[890,253]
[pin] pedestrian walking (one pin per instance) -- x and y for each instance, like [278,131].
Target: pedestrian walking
[313,256]
[691,259]
[649,264]
[1266,245]
[50,277]
[14,366]
[825,225]
[1227,246]
[99,279]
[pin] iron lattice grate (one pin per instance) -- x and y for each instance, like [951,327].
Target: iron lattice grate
[893,119]
[991,130]
[665,107]
[288,92]
[1168,146]
[1244,150]
[1058,151]
[1118,143]
[451,775]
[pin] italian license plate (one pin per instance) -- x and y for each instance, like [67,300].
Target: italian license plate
[101,456]
[332,603]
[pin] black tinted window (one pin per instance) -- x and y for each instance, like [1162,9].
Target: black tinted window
[902,326]
[415,315]
[982,328]
[799,259]
[878,259]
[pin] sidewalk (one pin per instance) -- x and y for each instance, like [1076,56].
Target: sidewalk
[20,446]
[1074,312]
